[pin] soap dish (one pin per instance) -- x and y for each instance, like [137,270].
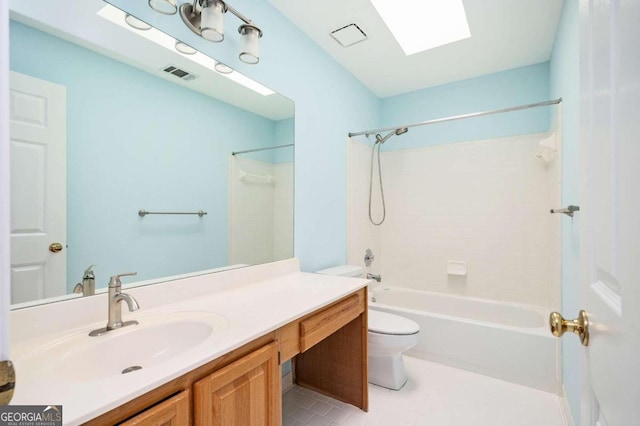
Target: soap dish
[456,267]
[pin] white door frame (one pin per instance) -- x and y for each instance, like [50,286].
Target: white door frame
[5,296]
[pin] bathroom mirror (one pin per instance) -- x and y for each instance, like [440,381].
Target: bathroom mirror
[109,120]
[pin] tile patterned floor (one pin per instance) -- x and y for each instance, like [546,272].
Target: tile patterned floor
[435,395]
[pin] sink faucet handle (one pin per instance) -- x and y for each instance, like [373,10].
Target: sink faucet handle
[115,280]
[88,273]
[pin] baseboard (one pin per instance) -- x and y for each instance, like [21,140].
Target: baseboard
[565,409]
[287,382]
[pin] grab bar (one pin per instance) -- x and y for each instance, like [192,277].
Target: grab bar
[567,210]
[143,213]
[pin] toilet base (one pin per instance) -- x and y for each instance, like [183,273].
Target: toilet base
[387,371]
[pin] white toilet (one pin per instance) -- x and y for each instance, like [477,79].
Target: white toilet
[389,336]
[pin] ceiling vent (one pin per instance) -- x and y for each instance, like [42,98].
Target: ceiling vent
[349,35]
[180,73]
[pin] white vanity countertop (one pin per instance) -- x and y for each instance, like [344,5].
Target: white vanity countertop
[252,309]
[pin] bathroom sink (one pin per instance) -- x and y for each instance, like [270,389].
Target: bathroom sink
[156,339]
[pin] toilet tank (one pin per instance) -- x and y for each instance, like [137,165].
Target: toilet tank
[344,271]
[353,272]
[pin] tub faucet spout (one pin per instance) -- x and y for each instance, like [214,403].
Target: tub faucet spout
[378,278]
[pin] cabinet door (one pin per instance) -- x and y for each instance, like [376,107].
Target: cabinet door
[172,412]
[246,392]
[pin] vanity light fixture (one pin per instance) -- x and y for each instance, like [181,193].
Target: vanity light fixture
[134,22]
[212,20]
[206,18]
[117,17]
[250,35]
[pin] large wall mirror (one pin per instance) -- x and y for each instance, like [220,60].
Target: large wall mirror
[108,119]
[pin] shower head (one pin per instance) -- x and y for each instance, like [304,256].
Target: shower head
[399,131]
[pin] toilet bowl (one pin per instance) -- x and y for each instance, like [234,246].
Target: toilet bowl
[389,335]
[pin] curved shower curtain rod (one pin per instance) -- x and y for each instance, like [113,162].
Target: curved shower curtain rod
[459,117]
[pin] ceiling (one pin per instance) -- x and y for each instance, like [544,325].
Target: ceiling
[505,34]
[81,24]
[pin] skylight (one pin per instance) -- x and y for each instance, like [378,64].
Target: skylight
[419,25]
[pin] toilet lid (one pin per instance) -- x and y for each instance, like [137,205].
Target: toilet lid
[384,323]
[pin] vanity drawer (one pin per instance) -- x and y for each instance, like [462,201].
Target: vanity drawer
[318,326]
[289,339]
[174,411]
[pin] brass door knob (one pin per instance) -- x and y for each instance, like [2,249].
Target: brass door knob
[7,382]
[579,326]
[55,247]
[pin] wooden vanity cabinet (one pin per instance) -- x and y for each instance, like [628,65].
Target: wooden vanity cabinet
[244,386]
[333,351]
[320,325]
[175,411]
[141,410]
[246,392]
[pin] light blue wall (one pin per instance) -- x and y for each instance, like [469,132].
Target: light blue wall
[126,153]
[494,91]
[330,102]
[283,134]
[565,73]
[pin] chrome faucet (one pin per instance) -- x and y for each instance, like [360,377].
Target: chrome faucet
[88,285]
[378,278]
[115,309]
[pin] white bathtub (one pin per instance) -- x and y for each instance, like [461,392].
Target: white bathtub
[502,340]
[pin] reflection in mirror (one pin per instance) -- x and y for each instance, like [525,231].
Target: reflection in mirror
[108,120]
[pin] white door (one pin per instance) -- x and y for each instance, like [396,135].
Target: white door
[610,239]
[37,117]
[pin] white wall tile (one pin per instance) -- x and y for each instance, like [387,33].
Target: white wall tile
[283,211]
[483,202]
[260,214]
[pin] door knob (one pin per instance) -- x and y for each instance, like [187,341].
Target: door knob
[579,326]
[55,247]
